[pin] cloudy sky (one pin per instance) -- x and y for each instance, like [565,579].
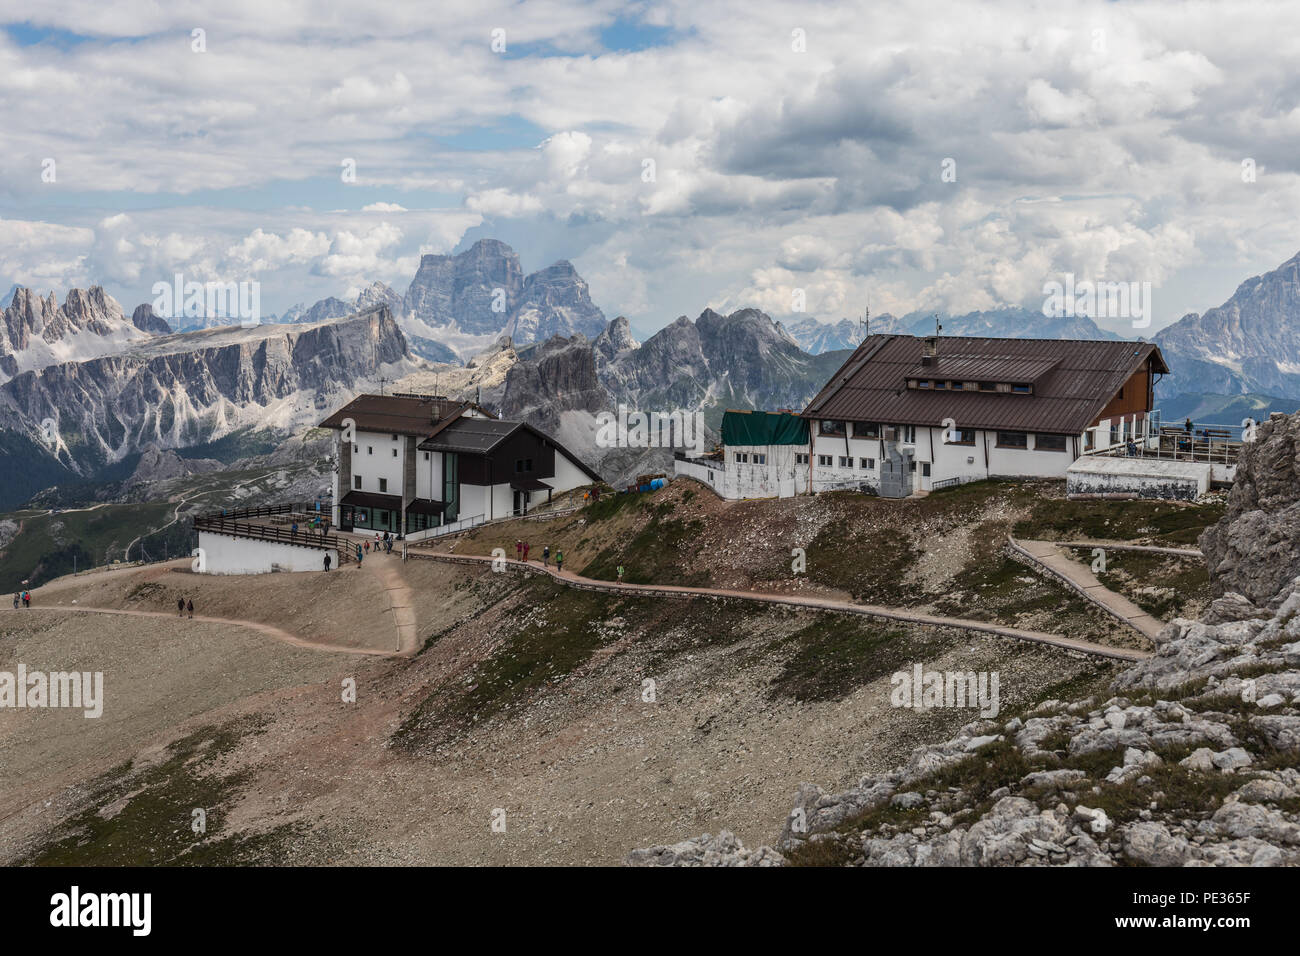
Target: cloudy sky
[681,154]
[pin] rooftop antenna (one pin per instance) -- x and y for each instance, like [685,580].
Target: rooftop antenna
[864,327]
[382,380]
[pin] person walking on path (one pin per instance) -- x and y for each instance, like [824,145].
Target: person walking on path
[620,572]
[559,560]
[519,550]
[16,600]
[180,607]
[525,552]
[189,606]
[327,561]
[293,528]
[358,555]
[546,556]
[27,599]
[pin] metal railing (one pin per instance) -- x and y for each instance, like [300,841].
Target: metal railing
[260,532]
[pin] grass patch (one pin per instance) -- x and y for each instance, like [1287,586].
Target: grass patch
[836,654]
[153,825]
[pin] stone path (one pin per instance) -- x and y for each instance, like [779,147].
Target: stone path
[387,570]
[1051,556]
[573,579]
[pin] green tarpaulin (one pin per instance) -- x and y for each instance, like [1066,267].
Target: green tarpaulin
[763,428]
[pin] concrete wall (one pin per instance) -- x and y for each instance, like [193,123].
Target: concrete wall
[224,554]
[1104,476]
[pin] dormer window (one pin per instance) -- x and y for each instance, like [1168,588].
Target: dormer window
[832,427]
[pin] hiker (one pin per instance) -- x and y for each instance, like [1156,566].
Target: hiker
[293,529]
[16,600]
[559,560]
[525,552]
[358,555]
[1187,426]
[546,556]
[586,496]
[620,572]
[367,546]
[180,607]
[189,606]
[327,561]
[519,549]
[27,599]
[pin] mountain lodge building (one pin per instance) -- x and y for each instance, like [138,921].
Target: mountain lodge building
[409,464]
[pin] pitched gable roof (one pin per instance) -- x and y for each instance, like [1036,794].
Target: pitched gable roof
[1072,381]
[419,415]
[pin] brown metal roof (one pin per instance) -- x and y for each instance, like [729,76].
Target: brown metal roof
[1072,382]
[397,414]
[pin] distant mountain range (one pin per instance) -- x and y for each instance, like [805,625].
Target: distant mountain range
[116,386]
[817,337]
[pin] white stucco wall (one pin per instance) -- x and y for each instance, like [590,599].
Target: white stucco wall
[567,475]
[224,554]
[379,464]
[428,475]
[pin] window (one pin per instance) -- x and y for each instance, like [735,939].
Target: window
[829,427]
[963,436]
[760,459]
[846,462]
[356,482]
[911,466]
[394,452]
[383,484]
[923,383]
[866,430]
[800,459]
[940,384]
[370,449]
[523,465]
[867,464]
[907,433]
[355,450]
[742,457]
[988,386]
[1049,442]
[1020,389]
[823,461]
[1088,437]
[925,469]
[394,438]
[426,456]
[1013,440]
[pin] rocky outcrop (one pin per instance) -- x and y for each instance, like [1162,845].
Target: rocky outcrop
[483,290]
[157,464]
[554,301]
[1255,549]
[182,390]
[377,294]
[613,341]
[146,320]
[1193,761]
[1251,343]
[557,376]
[706,850]
[36,332]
